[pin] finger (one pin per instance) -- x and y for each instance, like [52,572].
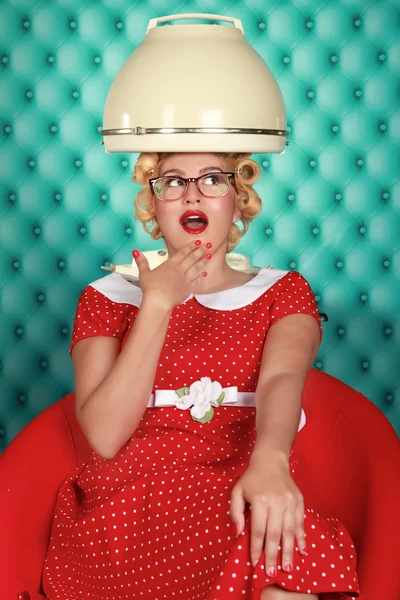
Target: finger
[259,517]
[141,260]
[237,507]
[299,528]
[273,538]
[288,530]
[184,252]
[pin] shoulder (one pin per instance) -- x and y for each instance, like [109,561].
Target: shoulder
[114,288]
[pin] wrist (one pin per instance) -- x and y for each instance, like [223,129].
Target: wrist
[264,451]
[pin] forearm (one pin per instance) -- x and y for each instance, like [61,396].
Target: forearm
[112,412]
[278,411]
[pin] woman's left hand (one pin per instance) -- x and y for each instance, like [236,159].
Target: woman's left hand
[277,509]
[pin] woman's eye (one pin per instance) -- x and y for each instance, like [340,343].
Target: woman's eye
[211,179]
[174,182]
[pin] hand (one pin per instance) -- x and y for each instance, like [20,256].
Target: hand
[176,278]
[277,509]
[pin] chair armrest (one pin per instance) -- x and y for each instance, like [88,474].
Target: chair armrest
[32,468]
[360,485]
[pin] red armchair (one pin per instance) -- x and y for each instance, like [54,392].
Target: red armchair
[351,472]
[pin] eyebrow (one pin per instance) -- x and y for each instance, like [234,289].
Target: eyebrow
[201,171]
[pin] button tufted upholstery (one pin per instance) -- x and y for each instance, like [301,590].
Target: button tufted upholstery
[350,472]
[329,206]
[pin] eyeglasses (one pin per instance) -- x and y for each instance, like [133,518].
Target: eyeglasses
[211,185]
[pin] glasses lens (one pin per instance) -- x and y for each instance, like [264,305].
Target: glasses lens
[169,188]
[214,184]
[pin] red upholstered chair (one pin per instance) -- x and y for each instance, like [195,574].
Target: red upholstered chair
[351,471]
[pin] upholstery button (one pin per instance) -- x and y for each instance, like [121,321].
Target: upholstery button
[78,163]
[40,297]
[286,60]
[388,331]
[57,197]
[309,24]
[364,297]
[72,24]
[292,264]
[389,398]
[53,128]
[83,230]
[385,196]
[365,364]
[44,364]
[2,432]
[61,264]
[382,127]
[22,398]
[119,25]
[265,164]
[124,163]
[313,163]
[29,94]
[16,264]
[381,56]
[386,263]
[339,264]
[51,59]
[4,59]
[335,128]
[97,60]
[362,229]
[26,24]
[341,331]
[291,198]
[75,94]
[357,22]
[12,197]
[318,364]
[261,25]
[268,231]
[19,330]
[7,129]
[358,93]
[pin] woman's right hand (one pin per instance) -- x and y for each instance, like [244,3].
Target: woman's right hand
[175,279]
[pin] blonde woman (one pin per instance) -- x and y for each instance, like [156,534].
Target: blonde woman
[194,496]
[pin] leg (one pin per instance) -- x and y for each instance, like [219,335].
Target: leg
[276,593]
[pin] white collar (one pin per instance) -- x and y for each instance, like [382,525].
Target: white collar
[125,289]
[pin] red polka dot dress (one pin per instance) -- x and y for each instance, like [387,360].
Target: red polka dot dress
[153,522]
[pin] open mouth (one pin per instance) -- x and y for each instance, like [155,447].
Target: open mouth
[194,224]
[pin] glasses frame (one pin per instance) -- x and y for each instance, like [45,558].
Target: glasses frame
[231,179]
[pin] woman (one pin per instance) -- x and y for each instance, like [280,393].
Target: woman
[159,510]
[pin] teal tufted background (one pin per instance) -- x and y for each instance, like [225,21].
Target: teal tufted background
[330,203]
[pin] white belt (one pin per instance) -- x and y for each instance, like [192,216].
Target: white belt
[232,397]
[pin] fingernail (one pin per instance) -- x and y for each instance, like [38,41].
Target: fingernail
[198,242]
[204,274]
[272,571]
[287,567]
[237,530]
[208,256]
[304,551]
[135,253]
[254,562]
[209,245]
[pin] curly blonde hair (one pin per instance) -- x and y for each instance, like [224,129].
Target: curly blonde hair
[246,170]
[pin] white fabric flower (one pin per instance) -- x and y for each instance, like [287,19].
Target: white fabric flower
[203,394]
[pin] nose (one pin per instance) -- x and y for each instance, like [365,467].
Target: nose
[192,192]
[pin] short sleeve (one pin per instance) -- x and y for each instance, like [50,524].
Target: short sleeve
[97,315]
[294,295]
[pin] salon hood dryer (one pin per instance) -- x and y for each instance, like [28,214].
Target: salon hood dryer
[194,88]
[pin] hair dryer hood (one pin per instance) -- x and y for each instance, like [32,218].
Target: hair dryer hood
[194,88]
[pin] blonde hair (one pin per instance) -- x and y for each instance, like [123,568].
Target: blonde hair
[246,170]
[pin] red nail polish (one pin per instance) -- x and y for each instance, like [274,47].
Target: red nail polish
[287,567]
[135,253]
[272,572]
[209,245]
[237,530]
[204,274]
[198,242]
